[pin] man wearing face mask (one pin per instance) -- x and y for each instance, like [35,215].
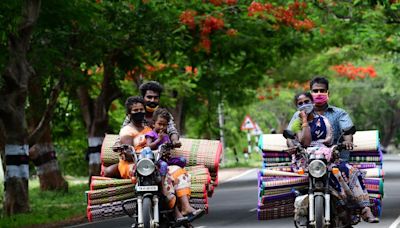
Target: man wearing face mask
[151,92]
[339,118]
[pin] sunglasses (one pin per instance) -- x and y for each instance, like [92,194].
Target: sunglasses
[303,102]
[319,90]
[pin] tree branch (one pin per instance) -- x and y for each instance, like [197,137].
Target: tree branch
[48,113]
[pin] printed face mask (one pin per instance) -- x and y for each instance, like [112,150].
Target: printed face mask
[137,117]
[307,108]
[151,106]
[320,98]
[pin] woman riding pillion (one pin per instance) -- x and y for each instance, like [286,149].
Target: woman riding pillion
[314,130]
[178,180]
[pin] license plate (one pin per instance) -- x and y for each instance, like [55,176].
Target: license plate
[147,188]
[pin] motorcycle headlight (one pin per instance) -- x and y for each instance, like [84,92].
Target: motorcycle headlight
[317,168]
[145,166]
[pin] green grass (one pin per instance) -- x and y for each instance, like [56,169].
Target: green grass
[50,207]
[254,161]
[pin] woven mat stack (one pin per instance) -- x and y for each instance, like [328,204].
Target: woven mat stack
[106,195]
[276,179]
[367,156]
[201,152]
[200,183]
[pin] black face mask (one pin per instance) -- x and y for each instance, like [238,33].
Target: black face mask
[137,117]
[152,104]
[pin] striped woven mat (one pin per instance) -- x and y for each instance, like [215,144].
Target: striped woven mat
[109,192]
[99,184]
[276,212]
[108,210]
[109,157]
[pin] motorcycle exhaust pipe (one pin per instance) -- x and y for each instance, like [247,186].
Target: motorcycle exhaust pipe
[140,208]
[155,209]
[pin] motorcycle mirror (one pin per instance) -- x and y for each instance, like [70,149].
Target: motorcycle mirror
[288,134]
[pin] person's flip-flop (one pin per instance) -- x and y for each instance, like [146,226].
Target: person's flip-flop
[180,221]
[195,214]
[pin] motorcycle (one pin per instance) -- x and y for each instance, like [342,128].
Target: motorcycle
[321,206]
[150,208]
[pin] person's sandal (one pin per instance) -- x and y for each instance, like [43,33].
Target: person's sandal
[195,214]
[367,216]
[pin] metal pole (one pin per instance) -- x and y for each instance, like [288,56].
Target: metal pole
[221,128]
[249,142]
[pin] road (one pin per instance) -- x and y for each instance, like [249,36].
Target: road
[234,204]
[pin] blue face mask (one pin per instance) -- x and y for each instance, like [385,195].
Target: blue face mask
[308,108]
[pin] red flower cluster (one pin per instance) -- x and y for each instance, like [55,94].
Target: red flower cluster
[187,18]
[352,72]
[231,32]
[191,70]
[294,16]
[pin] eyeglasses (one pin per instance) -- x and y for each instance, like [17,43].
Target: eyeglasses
[303,102]
[319,90]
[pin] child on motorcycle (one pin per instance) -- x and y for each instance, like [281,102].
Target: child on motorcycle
[155,139]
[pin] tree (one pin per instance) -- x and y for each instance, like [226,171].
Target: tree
[12,110]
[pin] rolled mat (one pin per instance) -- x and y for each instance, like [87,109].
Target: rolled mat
[266,172]
[277,159]
[275,203]
[111,191]
[276,212]
[278,197]
[200,152]
[110,199]
[275,155]
[99,183]
[278,182]
[108,210]
[373,172]
[365,159]
[277,191]
[364,165]
[366,140]
[108,156]
[272,143]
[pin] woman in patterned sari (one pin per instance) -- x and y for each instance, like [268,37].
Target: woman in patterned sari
[314,130]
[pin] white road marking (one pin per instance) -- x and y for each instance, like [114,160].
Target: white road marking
[200,226]
[254,209]
[243,174]
[396,223]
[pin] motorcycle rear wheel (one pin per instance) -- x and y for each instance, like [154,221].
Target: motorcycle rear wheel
[319,212]
[147,213]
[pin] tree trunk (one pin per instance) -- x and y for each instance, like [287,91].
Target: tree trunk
[44,157]
[392,123]
[95,114]
[42,153]
[177,113]
[12,112]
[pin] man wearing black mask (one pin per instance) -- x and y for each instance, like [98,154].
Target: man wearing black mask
[151,92]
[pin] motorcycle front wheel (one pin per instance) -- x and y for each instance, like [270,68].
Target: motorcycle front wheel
[147,213]
[319,212]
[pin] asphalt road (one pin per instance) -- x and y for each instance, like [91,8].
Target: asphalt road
[234,204]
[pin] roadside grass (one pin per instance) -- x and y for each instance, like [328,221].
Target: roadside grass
[254,160]
[51,207]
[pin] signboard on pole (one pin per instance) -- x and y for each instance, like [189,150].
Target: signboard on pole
[248,124]
[257,130]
